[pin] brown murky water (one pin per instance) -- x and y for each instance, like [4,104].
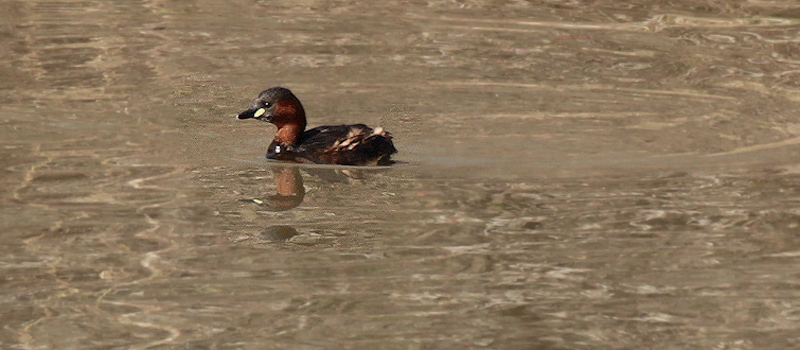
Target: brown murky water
[572,175]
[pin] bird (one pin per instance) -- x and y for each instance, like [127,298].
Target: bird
[354,144]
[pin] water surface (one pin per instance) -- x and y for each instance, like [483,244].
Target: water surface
[571,175]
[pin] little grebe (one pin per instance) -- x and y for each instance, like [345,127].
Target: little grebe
[355,144]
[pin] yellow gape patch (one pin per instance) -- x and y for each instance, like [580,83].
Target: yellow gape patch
[259,113]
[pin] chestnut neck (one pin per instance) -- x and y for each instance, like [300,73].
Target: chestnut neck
[288,134]
[290,118]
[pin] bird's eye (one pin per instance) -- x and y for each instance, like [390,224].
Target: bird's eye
[267,104]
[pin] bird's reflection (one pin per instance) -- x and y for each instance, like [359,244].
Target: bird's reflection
[289,190]
[278,233]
